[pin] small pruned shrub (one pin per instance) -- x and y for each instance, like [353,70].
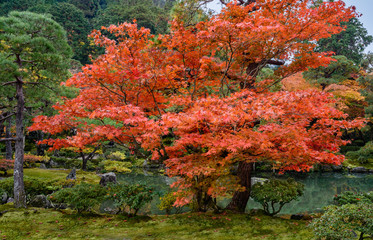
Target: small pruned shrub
[344,222]
[119,156]
[33,186]
[353,198]
[82,197]
[273,194]
[115,166]
[2,192]
[5,165]
[30,160]
[167,203]
[130,199]
[364,155]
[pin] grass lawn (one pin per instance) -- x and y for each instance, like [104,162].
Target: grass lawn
[34,223]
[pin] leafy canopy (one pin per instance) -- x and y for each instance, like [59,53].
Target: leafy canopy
[33,47]
[198,86]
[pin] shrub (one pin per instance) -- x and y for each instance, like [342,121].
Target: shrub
[33,186]
[67,162]
[130,198]
[353,198]
[2,191]
[364,155]
[344,222]
[116,166]
[275,193]
[5,165]
[119,156]
[30,160]
[168,201]
[82,197]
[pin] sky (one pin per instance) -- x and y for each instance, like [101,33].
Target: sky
[365,7]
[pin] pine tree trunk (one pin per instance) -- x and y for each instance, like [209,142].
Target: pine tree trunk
[8,144]
[19,188]
[239,200]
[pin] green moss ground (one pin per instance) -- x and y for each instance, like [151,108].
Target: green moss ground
[56,175]
[50,224]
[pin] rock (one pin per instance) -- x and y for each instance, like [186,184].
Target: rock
[255,180]
[72,175]
[53,164]
[60,206]
[107,178]
[42,166]
[40,201]
[370,170]
[10,200]
[297,216]
[145,163]
[337,168]
[326,168]
[359,170]
[307,217]
[4,198]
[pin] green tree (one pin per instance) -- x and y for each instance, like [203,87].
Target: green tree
[89,7]
[34,53]
[367,62]
[336,72]
[367,91]
[145,12]
[273,194]
[76,26]
[350,43]
[7,6]
[366,82]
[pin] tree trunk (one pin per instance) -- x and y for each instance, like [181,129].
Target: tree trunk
[8,144]
[239,200]
[85,160]
[19,188]
[40,147]
[361,236]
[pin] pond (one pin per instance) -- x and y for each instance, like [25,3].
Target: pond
[319,189]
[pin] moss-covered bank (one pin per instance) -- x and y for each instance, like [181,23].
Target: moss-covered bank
[36,223]
[58,175]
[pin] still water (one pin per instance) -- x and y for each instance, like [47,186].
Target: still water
[319,189]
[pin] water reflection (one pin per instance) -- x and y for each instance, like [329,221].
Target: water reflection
[319,189]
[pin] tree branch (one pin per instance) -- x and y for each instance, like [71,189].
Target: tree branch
[9,139]
[5,118]
[8,83]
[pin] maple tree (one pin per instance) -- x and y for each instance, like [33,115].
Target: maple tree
[198,85]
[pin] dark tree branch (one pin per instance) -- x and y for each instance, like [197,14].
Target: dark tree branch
[9,83]
[8,139]
[8,116]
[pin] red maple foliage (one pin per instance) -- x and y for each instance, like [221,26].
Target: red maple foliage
[6,164]
[198,85]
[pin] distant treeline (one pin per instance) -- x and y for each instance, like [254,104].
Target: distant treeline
[80,17]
